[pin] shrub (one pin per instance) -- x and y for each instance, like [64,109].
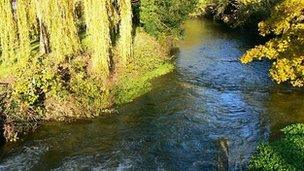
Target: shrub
[284,154]
[165,16]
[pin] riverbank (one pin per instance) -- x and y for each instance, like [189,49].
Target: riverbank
[69,60]
[84,98]
[209,105]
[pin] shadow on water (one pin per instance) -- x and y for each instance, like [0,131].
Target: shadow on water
[2,139]
[209,114]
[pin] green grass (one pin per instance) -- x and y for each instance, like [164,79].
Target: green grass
[150,61]
[130,88]
[284,154]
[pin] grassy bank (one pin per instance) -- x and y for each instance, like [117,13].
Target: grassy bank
[69,92]
[64,60]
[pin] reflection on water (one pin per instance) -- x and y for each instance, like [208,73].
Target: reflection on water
[210,114]
[284,108]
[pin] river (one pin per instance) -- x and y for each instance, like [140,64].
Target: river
[209,114]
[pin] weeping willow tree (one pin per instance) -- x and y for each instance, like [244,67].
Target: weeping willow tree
[125,41]
[98,30]
[8,31]
[26,20]
[114,17]
[58,18]
[43,36]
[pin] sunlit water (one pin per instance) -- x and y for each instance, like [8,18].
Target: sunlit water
[210,114]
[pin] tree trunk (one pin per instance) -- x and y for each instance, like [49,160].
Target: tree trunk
[44,39]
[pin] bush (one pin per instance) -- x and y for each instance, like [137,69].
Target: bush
[284,154]
[165,16]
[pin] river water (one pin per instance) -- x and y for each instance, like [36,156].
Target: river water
[209,114]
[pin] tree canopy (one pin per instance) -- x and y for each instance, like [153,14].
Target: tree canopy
[286,48]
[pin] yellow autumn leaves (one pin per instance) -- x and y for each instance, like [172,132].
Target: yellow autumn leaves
[287,49]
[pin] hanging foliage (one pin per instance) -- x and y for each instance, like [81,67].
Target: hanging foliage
[125,41]
[286,50]
[32,19]
[8,33]
[40,8]
[58,17]
[24,28]
[114,17]
[97,21]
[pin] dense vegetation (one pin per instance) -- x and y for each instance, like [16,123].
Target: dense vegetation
[285,154]
[286,49]
[235,13]
[67,59]
[283,21]
[163,18]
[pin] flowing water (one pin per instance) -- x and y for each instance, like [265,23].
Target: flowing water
[209,114]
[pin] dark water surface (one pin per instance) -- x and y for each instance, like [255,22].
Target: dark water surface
[210,114]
